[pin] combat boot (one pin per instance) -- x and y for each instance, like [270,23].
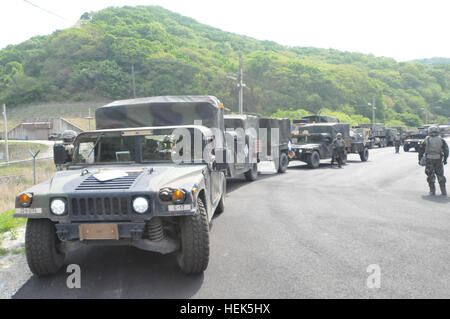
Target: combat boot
[432,190]
[443,189]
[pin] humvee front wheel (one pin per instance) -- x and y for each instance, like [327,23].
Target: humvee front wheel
[406,149]
[42,247]
[193,257]
[364,155]
[314,160]
[283,164]
[252,174]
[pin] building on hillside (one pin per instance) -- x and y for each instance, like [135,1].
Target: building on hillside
[41,129]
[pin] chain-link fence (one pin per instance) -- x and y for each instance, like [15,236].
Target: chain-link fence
[17,176]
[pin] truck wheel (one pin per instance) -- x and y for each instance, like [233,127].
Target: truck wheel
[193,256]
[364,155]
[406,149]
[314,160]
[41,247]
[284,163]
[252,174]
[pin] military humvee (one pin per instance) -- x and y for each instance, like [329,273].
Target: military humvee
[313,142]
[148,177]
[242,135]
[414,141]
[278,144]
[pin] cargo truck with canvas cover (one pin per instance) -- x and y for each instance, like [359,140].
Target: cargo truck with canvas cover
[152,187]
[312,143]
[278,142]
[377,134]
[242,137]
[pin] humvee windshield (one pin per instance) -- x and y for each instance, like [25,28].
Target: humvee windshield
[417,137]
[158,146]
[312,138]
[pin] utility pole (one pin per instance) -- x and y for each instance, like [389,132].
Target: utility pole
[5,123]
[89,118]
[133,83]
[241,86]
[426,114]
[374,107]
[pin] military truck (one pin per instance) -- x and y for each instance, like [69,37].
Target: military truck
[402,130]
[278,142]
[391,133]
[312,119]
[242,134]
[313,143]
[148,177]
[377,134]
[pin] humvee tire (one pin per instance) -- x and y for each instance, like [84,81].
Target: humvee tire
[406,149]
[364,155]
[313,160]
[252,174]
[283,163]
[41,247]
[193,257]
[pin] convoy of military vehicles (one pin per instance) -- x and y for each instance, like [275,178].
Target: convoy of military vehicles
[153,174]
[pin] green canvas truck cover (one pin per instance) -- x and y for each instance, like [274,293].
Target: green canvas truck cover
[160,111]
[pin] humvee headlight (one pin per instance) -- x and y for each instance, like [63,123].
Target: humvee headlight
[58,207]
[140,205]
[25,199]
[178,196]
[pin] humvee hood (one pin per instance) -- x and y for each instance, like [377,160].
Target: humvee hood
[140,178]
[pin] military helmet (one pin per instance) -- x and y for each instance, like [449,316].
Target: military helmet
[433,130]
[68,136]
[339,135]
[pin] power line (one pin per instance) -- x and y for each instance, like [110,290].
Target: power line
[49,12]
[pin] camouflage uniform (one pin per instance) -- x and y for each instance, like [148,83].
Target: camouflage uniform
[397,143]
[436,151]
[338,150]
[68,138]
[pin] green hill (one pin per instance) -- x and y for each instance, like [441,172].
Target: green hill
[176,55]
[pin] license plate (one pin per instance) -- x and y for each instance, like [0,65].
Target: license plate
[179,208]
[99,232]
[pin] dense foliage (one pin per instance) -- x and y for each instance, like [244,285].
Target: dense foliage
[176,55]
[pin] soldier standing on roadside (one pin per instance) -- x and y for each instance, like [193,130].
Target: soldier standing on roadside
[338,150]
[397,143]
[435,150]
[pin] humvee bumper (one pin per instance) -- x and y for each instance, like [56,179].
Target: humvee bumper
[129,234]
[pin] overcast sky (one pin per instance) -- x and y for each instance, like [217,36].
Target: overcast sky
[401,29]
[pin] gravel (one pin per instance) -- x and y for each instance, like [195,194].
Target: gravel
[14,272]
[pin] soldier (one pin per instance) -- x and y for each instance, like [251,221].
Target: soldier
[397,143]
[338,150]
[435,150]
[68,137]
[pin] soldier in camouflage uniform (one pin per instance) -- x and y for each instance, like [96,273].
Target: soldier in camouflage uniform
[397,143]
[338,150]
[436,150]
[68,138]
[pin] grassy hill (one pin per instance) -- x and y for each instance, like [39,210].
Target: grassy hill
[176,55]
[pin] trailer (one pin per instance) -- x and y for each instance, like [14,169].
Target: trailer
[277,145]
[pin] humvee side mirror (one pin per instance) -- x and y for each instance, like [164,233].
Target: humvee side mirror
[59,154]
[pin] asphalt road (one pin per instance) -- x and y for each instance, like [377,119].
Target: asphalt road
[304,234]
